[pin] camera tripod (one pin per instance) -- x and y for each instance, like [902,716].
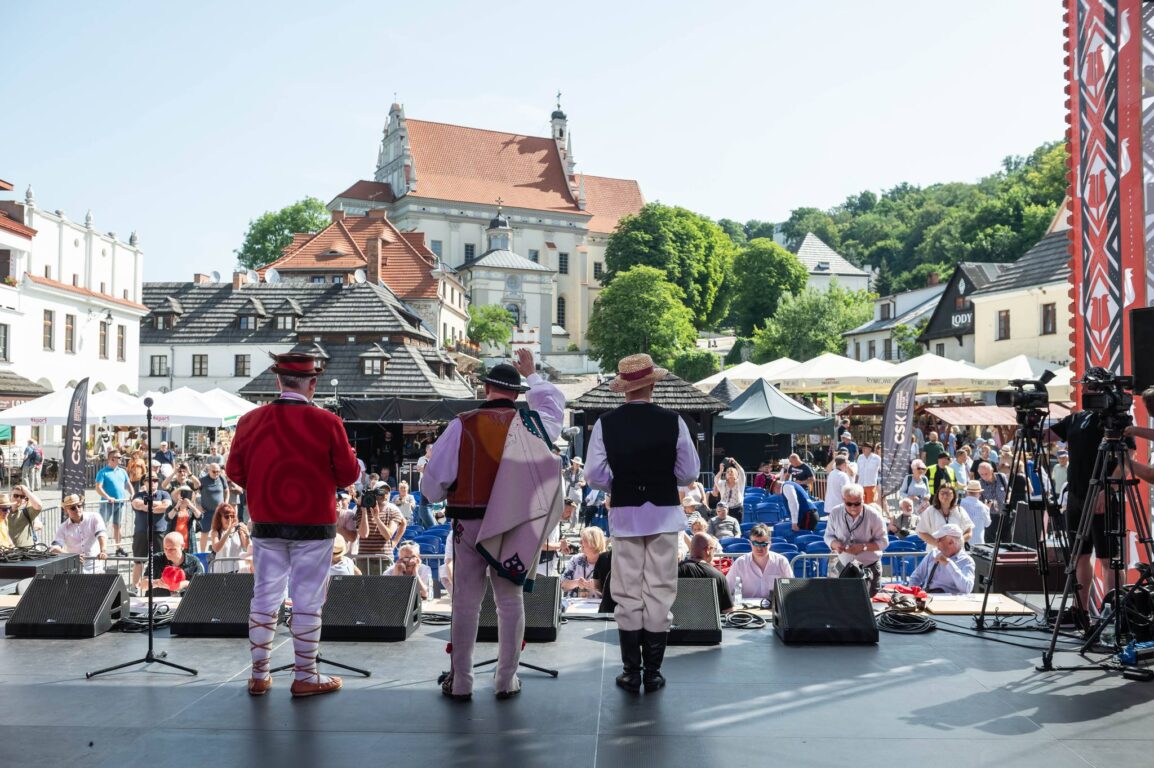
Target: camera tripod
[1029,440]
[1114,487]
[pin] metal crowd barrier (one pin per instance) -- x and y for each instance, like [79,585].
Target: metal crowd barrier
[896,566]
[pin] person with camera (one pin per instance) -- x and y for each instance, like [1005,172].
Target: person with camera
[856,533]
[229,541]
[729,485]
[409,564]
[184,516]
[161,503]
[385,530]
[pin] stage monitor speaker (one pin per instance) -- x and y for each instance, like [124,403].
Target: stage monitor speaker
[824,611]
[696,613]
[1141,361]
[214,605]
[542,612]
[45,566]
[372,608]
[71,605]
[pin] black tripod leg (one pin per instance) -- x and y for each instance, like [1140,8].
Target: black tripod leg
[526,665]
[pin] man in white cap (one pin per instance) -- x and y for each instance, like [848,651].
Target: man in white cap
[641,453]
[948,568]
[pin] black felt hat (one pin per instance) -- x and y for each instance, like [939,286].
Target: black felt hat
[505,376]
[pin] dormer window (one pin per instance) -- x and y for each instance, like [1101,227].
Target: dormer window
[164,322]
[286,323]
[246,322]
[374,360]
[887,311]
[822,266]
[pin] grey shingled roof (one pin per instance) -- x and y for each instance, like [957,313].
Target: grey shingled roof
[502,259]
[671,392]
[210,312]
[911,315]
[725,391]
[813,250]
[981,273]
[407,374]
[12,383]
[1045,263]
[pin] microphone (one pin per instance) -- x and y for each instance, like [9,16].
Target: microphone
[148,402]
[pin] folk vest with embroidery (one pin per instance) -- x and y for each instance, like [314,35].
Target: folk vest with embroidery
[483,434]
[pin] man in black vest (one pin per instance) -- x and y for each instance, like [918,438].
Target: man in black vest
[641,453]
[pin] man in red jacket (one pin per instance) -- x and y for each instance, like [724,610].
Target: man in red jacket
[290,457]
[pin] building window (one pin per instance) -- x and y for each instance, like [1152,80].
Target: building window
[563,263]
[70,333]
[48,271]
[534,256]
[4,355]
[515,311]
[286,322]
[1049,319]
[49,329]
[103,287]
[246,322]
[960,303]
[1003,331]
[162,322]
[444,331]
[158,365]
[121,343]
[242,365]
[887,311]
[104,341]
[200,365]
[75,279]
[940,349]
[561,311]
[338,279]
[873,350]
[435,246]
[857,350]
[317,279]
[470,251]
[887,349]
[598,269]
[374,366]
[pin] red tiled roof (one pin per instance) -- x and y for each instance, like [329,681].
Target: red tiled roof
[405,267]
[373,191]
[609,200]
[16,227]
[417,240]
[84,291]
[5,185]
[473,165]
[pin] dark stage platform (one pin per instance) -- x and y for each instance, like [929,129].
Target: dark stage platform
[937,699]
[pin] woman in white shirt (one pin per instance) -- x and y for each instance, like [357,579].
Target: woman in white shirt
[405,501]
[729,485]
[342,564]
[229,539]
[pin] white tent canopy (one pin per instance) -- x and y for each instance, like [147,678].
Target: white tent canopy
[1025,367]
[826,373]
[117,408]
[940,374]
[769,371]
[742,374]
[48,410]
[187,407]
[229,405]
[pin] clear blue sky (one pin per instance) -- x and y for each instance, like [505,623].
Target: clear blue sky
[186,121]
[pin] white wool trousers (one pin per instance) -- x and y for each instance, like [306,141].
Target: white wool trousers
[302,567]
[643,581]
[470,574]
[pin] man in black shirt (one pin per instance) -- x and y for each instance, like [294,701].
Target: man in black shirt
[175,556]
[699,565]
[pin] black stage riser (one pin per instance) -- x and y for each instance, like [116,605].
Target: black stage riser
[69,606]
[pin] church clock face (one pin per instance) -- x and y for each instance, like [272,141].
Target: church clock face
[513,282]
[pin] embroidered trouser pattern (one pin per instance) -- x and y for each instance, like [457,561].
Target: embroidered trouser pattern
[302,567]
[470,573]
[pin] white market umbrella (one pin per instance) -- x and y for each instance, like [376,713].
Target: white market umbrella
[825,373]
[1025,367]
[742,374]
[44,411]
[185,407]
[231,406]
[770,371]
[115,407]
[941,374]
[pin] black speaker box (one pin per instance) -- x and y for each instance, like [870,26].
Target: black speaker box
[696,613]
[1141,361]
[824,611]
[542,612]
[47,566]
[214,605]
[375,608]
[69,606]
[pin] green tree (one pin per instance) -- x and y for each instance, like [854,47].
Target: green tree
[763,272]
[906,339]
[693,252]
[491,324]
[640,311]
[695,364]
[812,322]
[268,236]
[755,228]
[741,351]
[734,229]
[805,220]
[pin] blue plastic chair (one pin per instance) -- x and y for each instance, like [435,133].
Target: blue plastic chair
[746,528]
[820,504]
[901,567]
[430,545]
[820,527]
[784,530]
[802,540]
[737,546]
[724,540]
[784,549]
[817,568]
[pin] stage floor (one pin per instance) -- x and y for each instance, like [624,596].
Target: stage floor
[935,699]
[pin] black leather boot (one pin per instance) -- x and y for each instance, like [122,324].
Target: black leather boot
[653,652]
[630,678]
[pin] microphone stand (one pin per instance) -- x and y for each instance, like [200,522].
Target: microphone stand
[151,657]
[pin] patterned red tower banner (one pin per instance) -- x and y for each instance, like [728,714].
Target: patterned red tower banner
[1111,142]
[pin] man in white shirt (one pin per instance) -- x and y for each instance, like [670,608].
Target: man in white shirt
[856,533]
[760,569]
[835,482]
[948,568]
[81,534]
[869,466]
[978,511]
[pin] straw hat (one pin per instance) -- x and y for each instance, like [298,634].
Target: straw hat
[974,486]
[635,372]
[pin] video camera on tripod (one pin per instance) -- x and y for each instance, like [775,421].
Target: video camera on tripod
[1110,396]
[1028,397]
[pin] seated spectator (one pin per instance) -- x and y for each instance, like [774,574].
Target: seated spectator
[174,556]
[943,509]
[901,522]
[948,568]
[342,565]
[229,542]
[409,564]
[856,533]
[699,565]
[723,524]
[760,569]
[82,533]
[577,579]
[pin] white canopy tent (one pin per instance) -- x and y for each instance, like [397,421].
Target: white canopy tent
[769,371]
[187,407]
[742,374]
[49,410]
[1025,367]
[940,374]
[826,373]
[230,405]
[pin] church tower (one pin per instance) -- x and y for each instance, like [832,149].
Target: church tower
[499,233]
[395,158]
[564,141]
